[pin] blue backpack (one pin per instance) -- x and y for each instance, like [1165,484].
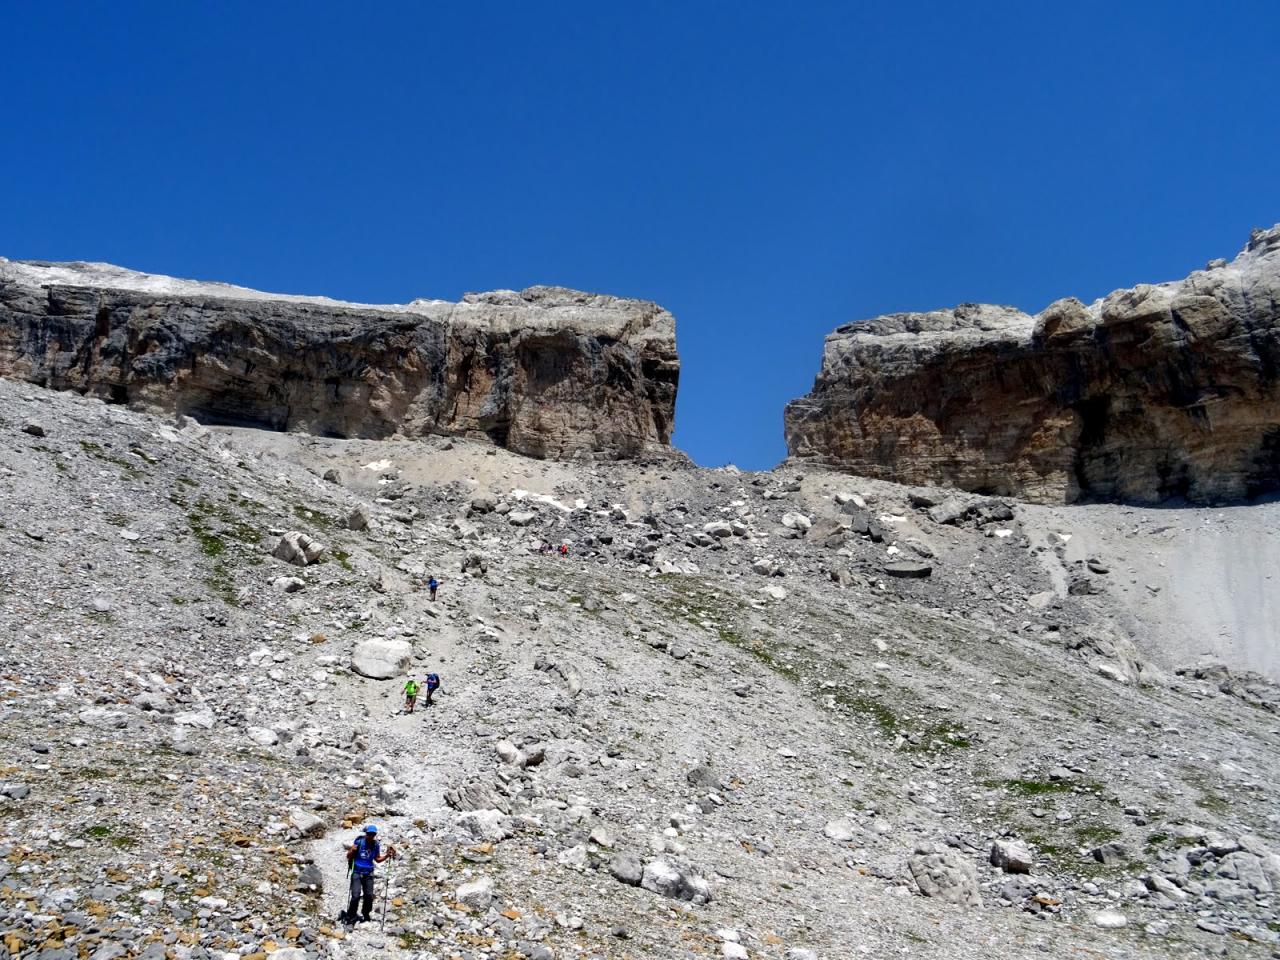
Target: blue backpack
[433,681]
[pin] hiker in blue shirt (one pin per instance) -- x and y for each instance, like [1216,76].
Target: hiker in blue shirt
[433,585]
[363,856]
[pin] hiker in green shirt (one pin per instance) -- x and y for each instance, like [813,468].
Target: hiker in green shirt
[410,695]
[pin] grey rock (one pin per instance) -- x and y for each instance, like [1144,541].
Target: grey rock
[477,894]
[310,880]
[626,868]
[381,659]
[945,875]
[908,569]
[1111,853]
[666,879]
[297,548]
[1011,856]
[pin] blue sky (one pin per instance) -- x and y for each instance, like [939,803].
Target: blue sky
[765,171]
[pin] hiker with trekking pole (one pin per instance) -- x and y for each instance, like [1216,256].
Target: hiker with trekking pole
[363,856]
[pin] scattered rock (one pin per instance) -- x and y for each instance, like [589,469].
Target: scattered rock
[299,549]
[476,895]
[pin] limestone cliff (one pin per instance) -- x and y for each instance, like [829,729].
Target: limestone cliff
[547,372]
[1161,391]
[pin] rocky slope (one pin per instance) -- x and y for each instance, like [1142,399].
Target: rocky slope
[774,715]
[546,372]
[1162,391]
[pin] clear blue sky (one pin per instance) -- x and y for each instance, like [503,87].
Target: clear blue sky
[765,171]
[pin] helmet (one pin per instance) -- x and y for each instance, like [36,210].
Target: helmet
[371,829]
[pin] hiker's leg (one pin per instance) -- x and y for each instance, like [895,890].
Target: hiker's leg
[368,895]
[354,897]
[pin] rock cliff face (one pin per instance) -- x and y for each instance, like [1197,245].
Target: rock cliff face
[546,372]
[1163,391]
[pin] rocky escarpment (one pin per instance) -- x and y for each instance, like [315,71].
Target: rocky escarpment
[1163,391]
[547,372]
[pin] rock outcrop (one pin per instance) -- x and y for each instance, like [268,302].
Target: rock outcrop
[547,372]
[1157,392]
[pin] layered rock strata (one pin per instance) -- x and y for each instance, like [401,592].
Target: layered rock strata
[1162,391]
[547,372]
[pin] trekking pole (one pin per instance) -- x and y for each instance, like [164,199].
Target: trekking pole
[346,896]
[386,894]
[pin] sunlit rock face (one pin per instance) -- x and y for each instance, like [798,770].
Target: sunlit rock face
[1162,391]
[547,372]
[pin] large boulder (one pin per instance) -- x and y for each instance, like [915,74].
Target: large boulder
[381,659]
[944,874]
[665,878]
[299,549]
[490,826]
[1011,856]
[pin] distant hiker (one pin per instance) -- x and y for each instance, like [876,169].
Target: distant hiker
[410,695]
[544,547]
[433,585]
[363,856]
[433,684]
[564,549]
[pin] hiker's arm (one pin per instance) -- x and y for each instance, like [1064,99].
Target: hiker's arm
[391,852]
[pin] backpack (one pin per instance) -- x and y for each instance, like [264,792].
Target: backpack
[433,681]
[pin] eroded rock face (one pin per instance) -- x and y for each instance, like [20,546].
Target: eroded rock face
[1171,390]
[546,372]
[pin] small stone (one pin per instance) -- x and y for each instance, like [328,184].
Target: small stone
[1011,856]
[908,569]
[478,894]
[1110,919]
[263,736]
[841,831]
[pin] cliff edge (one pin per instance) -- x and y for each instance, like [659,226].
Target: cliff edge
[1162,391]
[547,372]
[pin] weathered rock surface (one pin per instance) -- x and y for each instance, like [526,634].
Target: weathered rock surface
[638,764]
[381,659]
[1167,390]
[546,371]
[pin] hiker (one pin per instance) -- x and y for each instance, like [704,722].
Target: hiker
[362,857]
[544,548]
[433,684]
[564,549]
[433,585]
[410,695]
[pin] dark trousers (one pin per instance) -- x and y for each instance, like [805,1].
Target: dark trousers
[361,885]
